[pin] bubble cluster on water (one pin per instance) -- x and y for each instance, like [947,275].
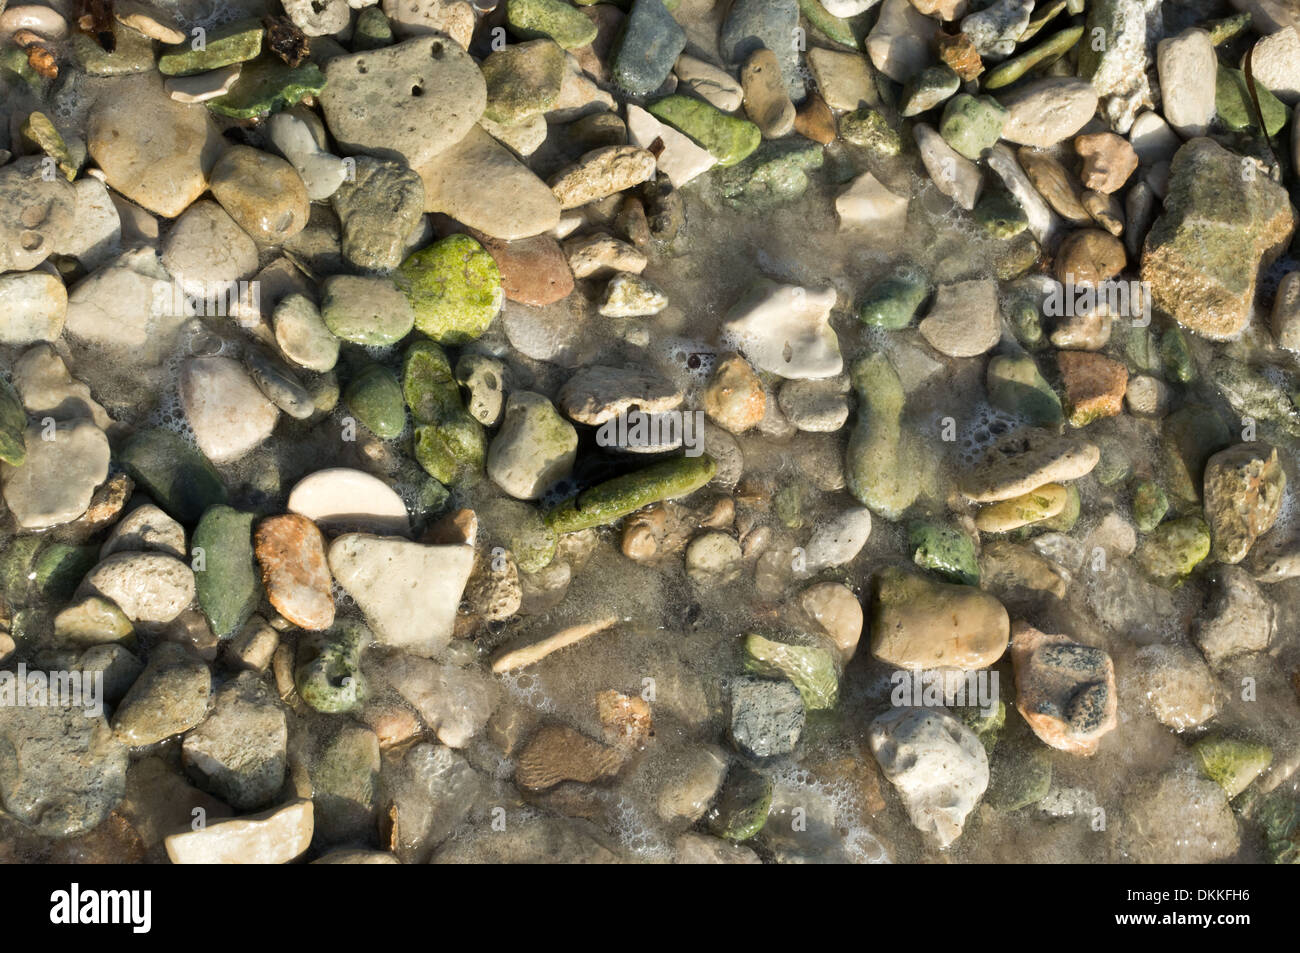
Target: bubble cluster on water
[634,832]
[845,799]
[526,687]
[984,426]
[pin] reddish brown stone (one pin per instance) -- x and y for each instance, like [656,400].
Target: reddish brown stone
[1094,385]
[534,271]
[557,753]
[958,51]
[291,551]
[1064,690]
[815,121]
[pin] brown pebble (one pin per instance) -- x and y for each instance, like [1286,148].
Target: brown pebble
[291,551]
[1090,255]
[534,271]
[632,222]
[958,51]
[815,121]
[1094,385]
[557,753]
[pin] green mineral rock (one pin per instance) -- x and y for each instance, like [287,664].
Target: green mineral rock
[740,810]
[1050,50]
[171,470]
[1232,763]
[328,675]
[428,385]
[616,498]
[893,302]
[1235,108]
[729,139]
[836,29]
[811,669]
[454,287]
[1175,548]
[869,129]
[236,42]
[945,550]
[1015,385]
[877,467]
[553,19]
[972,124]
[449,443]
[226,579]
[523,80]
[267,85]
[776,173]
[375,398]
[1150,504]
[13,426]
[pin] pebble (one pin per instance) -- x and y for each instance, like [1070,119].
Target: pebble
[409,593]
[964,320]
[1105,211]
[844,80]
[556,753]
[1244,489]
[302,335]
[96,233]
[937,765]
[484,377]
[369,311]
[523,80]
[868,204]
[534,449]
[785,330]
[920,624]
[170,696]
[1090,256]
[600,256]
[153,150]
[319,17]
[37,215]
[1108,161]
[1188,68]
[379,208]
[1034,507]
[767,716]
[601,173]
[817,406]
[729,139]
[454,18]
[1177,685]
[410,101]
[954,175]
[1284,320]
[1026,459]
[239,752]
[713,560]
[751,24]
[767,104]
[33,307]
[40,19]
[711,83]
[561,22]
[321,172]
[679,158]
[343,500]
[56,483]
[201,87]
[899,44]
[1237,617]
[734,398]
[454,289]
[834,607]
[206,250]
[1094,386]
[838,541]
[262,193]
[146,529]
[596,394]
[631,296]
[275,836]
[1046,111]
[1043,222]
[1274,64]
[291,553]
[147,586]
[972,124]
[650,43]
[1064,690]
[995,29]
[226,410]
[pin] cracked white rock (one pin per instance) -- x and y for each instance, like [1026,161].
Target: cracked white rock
[785,330]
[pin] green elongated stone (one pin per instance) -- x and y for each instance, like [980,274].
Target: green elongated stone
[236,42]
[328,675]
[729,139]
[836,29]
[1041,19]
[742,805]
[428,385]
[810,668]
[945,550]
[879,469]
[1177,354]
[626,494]
[894,302]
[776,173]
[13,426]
[538,19]
[1047,52]
[1221,31]
[454,287]
[375,397]
[1235,108]
[268,85]
[226,579]
[38,130]
[179,478]
[1232,763]
[59,568]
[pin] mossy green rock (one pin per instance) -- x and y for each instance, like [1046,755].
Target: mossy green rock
[1176,353]
[13,426]
[729,139]
[616,498]
[523,80]
[1190,436]
[986,721]
[375,397]
[971,124]
[236,42]
[1232,102]
[878,467]
[1232,763]
[178,477]
[1000,214]
[59,568]
[372,30]
[133,53]
[893,302]
[226,581]
[1175,548]
[928,89]
[267,85]
[328,674]
[428,385]
[520,528]
[1019,775]
[809,667]
[1150,504]
[454,288]
[945,550]
[553,19]
[869,129]
[1016,386]
[40,132]
[776,173]
[449,443]
[741,809]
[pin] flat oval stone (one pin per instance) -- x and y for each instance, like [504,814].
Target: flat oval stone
[58,479]
[148,587]
[228,412]
[344,500]
[262,193]
[291,552]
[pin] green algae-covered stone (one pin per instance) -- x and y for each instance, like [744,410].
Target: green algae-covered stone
[893,302]
[1150,504]
[1232,102]
[1176,353]
[520,528]
[742,805]
[1000,214]
[38,130]
[945,550]
[328,674]
[776,173]
[987,722]
[1019,775]
[428,385]
[453,449]
[375,397]
[836,29]
[971,124]
[454,288]
[523,80]
[266,86]
[226,580]
[1051,49]
[626,494]
[729,139]
[372,30]
[869,129]
[553,19]
[13,426]
[809,667]
[1232,763]
[236,42]
[1016,386]
[1175,548]
[179,478]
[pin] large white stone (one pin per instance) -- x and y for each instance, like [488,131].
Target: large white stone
[227,411]
[1188,68]
[785,330]
[276,836]
[64,465]
[867,204]
[340,500]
